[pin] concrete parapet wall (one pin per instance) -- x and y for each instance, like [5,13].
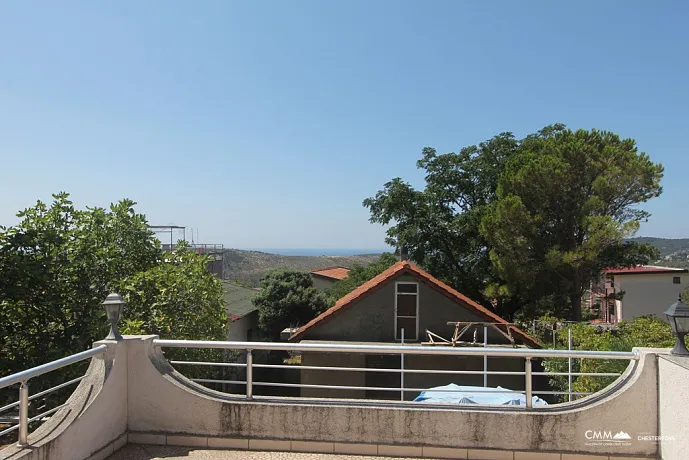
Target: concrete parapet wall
[131,394]
[673,407]
[94,422]
[162,400]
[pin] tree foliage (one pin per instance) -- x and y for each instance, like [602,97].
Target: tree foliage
[358,275]
[645,331]
[528,223]
[440,224]
[176,297]
[287,299]
[565,204]
[58,264]
[56,267]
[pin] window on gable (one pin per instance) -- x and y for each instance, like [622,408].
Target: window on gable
[406,310]
[676,280]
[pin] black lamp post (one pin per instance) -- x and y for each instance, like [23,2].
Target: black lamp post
[114,304]
[678,316]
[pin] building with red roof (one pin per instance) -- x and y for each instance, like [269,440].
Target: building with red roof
[324,278]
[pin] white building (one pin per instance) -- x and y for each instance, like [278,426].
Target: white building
[647,290]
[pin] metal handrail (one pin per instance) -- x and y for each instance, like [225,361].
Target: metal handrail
[527,354]
[44,392]
[23,378]
[399,349]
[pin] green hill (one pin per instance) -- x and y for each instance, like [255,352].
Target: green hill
[674,252]
[667,246]
[248,267]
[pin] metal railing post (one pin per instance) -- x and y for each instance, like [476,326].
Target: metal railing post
[23,415]
[485,357]
[529,389]
[249,374]
[402,370]
[569,377]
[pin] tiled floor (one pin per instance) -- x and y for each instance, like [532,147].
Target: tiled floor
[144,452]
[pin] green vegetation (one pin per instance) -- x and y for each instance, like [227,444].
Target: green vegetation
[59,263]
[674,252]
[178,299]
[358,275]
[645,331]
[287,299]
[666,246]
[528,223]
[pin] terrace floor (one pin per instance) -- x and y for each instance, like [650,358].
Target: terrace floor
[145,452]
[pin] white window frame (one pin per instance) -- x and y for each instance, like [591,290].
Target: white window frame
[417,293]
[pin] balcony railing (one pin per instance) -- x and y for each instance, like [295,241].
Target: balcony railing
[22,404]
[527,355]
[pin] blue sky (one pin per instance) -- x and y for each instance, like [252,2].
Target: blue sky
[265,124]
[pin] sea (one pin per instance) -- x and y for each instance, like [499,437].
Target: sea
[320,251]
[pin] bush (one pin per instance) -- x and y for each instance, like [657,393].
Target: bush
[645,331]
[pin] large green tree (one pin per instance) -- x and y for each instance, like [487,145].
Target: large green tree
[495,220]
[440,224]
[287,299]
[58,264]
[56,267]
[565,203]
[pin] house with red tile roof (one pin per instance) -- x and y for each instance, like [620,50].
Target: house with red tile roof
[629,292]
[402,303]
[324,278]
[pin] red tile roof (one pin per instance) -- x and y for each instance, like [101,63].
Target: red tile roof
[336,273]
[410,268]
[643,269]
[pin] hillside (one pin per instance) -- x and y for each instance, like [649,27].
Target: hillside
[674,252]
[250,266]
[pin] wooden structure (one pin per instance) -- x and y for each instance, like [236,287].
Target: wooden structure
[503,328]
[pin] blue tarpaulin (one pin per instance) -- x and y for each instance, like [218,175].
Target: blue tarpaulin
[475,395]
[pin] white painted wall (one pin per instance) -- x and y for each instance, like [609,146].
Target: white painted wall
[237,330]
[648,294]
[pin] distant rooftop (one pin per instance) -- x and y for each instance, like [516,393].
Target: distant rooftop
[238,300]
[336,273]
[644,270]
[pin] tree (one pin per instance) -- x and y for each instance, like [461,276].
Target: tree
[565,203]
[523,226]
[178,298]
[358,275]
[56,267]
[440,224]
[59,263]
[287,299]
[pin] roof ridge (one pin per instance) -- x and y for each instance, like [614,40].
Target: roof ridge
[330,268]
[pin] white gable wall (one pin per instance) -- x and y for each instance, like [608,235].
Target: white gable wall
[648,294]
